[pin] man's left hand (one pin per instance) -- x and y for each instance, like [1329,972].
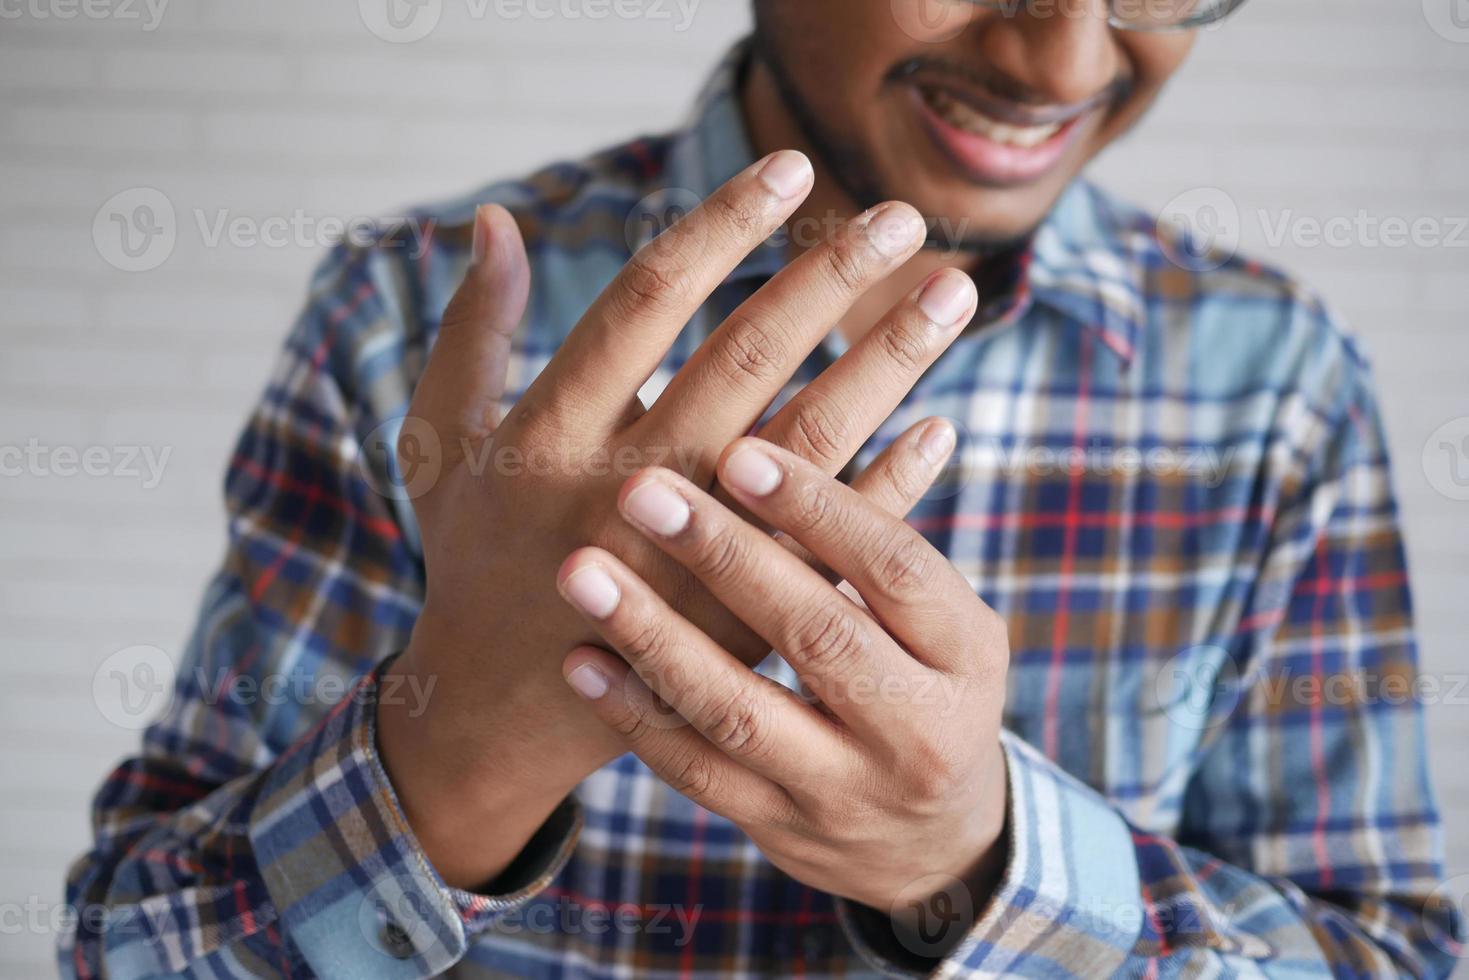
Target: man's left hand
[896,773]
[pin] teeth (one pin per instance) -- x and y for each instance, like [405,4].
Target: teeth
[958,114]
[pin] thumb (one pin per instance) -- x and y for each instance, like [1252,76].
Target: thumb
[464,380]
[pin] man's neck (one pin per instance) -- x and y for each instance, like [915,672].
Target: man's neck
[772,127]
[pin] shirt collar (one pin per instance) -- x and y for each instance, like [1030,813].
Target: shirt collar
[1084,261]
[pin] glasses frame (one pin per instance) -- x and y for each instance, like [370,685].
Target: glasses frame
[1214,16]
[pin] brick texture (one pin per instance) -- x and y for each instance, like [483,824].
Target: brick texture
[1298,114]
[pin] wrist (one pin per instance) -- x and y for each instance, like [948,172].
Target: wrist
[455,778]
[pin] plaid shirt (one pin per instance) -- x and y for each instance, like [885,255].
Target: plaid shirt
[1172,484]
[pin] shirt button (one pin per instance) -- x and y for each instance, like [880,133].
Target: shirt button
[396,941]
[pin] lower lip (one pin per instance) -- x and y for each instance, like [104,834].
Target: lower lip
[988,162]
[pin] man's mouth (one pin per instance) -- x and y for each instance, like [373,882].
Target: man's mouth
[995,144]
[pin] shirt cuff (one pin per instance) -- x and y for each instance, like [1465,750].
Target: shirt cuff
[1069,901]
[350,883]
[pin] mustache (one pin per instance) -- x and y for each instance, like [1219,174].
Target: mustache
[971,76]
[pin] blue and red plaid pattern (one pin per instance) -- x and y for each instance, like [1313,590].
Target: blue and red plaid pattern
[1172,484]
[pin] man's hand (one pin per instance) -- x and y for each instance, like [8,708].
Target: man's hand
[897,775]
[503,740]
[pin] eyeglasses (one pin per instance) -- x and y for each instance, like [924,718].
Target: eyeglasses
[1127,15]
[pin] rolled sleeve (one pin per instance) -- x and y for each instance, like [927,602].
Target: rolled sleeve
[350,883]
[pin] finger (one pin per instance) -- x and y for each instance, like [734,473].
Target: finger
[676,754]
[728,382]
[622,339]
[895,481]
[903,472]
[464,379]
[907,583]
[839,651]
[749,718]
[834,416]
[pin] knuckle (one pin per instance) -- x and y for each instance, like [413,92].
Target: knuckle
[632,725]
[739,724]
[693,777]
[904,345]
[812,506]
[650,284]
[827,640]
[906,480]
[816,434]
[720,554]
[846,267]
[907,568]
[931,778]
[748,351]
[647,643]
[740,212]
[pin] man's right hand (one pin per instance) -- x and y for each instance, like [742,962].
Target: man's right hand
[502,740]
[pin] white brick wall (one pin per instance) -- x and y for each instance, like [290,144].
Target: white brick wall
[1322,107]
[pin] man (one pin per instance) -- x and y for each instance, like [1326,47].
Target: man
[1052,724]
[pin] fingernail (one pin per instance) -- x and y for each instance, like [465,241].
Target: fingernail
[481,237]
[588,681]
[752,472]
[592,591]
[786,173]
[947,298]
[657,508]
[936,442]
[894,230]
